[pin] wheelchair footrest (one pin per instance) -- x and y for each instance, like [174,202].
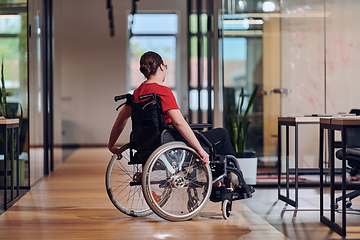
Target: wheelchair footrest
[220,193]
[216,194]
[241,193]
[134,163]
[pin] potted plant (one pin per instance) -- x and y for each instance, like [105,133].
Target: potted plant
[237,124]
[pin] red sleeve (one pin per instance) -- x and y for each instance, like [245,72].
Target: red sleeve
[168,100]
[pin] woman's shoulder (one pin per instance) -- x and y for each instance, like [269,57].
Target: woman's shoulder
[165,91]
[158,87]
[164,88]
[153,88]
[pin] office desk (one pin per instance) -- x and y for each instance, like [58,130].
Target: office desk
[332,124]
[287,122]
[9,129]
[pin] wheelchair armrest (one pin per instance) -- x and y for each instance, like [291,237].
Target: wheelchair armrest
[193,126]
[170,128]
[199,126]
[201,137]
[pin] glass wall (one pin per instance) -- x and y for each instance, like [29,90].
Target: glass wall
[303,57]
[36,90]
[243,71]
[14,59]
[245,62]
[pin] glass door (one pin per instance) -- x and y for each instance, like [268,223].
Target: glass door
[251,59]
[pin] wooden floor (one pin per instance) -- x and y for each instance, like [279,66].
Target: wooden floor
[304,222]
[72,203]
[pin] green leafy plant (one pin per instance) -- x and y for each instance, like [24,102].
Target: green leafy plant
[3,98]
[237,122]
[3,93]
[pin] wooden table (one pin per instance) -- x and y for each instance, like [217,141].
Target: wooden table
[331,124]
[9,130]
[287,122]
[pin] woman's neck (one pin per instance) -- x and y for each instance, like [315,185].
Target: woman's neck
[150,81]
[154,79]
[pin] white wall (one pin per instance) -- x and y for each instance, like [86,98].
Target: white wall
[91,65]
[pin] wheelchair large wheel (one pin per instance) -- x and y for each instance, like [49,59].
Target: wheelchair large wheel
[123,184]
[176,184]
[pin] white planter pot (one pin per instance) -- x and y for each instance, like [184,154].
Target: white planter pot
[249,168]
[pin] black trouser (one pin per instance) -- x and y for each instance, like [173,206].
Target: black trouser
[220,139]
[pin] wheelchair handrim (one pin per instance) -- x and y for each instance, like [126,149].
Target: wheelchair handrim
[131,212]
[146,183]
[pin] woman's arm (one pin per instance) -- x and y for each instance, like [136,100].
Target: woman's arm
[118,127]
[183,127]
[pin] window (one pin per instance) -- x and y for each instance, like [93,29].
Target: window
[152,32]
[10,28]
[201,63]
[13,54]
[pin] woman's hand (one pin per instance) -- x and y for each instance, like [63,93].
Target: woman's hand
[118,127]
[204,156]
[113,149]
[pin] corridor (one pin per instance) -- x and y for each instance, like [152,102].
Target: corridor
[72,203]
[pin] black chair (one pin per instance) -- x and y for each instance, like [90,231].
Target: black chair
[353,158]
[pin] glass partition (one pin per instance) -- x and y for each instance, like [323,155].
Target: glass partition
[302,55]
[14,57]
[251,60]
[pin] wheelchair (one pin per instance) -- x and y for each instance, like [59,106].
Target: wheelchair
[171,180]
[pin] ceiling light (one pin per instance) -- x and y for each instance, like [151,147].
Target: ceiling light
[268,6]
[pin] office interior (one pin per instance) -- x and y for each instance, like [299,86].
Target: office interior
[65,60]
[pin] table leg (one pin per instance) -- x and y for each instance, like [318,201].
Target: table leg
[343,137]
[321,166]
[332,175]
[279,160]
[296,165]
[287,163]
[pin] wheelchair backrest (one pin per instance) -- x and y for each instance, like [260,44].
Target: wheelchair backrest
[148,122]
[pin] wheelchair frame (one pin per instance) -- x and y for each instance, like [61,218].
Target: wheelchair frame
[182,178]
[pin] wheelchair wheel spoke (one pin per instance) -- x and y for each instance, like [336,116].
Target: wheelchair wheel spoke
[121,187]
[122,169]
[125,197]
[184,191]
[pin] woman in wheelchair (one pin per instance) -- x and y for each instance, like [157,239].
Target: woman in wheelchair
[176,180]
[154,70]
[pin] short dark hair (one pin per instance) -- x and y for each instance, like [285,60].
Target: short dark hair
[149,62]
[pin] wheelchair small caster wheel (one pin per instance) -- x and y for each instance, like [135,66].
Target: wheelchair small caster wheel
[336,206]
[348,204]
[226,209]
